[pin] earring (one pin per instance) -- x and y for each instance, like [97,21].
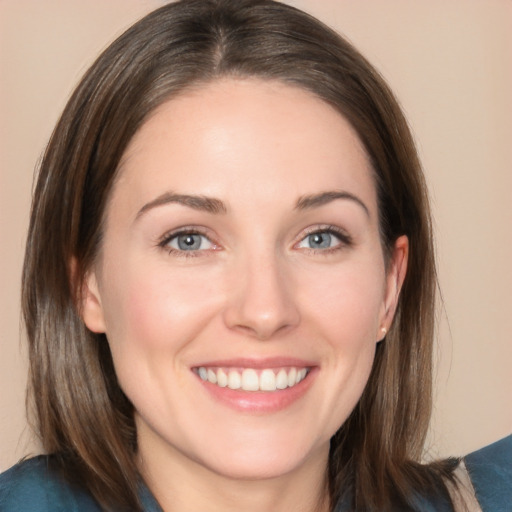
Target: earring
[384,331]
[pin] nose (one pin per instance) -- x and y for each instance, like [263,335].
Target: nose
[261,301]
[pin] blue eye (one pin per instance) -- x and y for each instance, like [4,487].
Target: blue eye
[189,242]
[322,239]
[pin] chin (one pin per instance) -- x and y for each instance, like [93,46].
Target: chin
[243,466]
[263,458]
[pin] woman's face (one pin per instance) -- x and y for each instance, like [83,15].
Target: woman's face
[241,282]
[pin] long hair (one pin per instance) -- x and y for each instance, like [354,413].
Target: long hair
[81,414]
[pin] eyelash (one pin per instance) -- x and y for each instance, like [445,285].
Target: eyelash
[343,237]
[169,237]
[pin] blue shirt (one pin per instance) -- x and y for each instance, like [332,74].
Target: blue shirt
[31,486]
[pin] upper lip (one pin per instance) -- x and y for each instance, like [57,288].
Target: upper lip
[258,363]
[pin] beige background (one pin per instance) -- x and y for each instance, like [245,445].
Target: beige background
[449,61]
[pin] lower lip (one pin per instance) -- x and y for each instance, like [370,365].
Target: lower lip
[260,401]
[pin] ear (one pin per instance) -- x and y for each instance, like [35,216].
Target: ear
[396,271]
[90,307]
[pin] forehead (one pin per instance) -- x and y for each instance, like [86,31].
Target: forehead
[240,139]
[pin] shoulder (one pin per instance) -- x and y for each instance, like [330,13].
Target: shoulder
[490,471]
[32,486]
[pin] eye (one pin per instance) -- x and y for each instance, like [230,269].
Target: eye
[324,239]
[187,241]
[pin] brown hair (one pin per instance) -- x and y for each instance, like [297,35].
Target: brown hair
[82,415]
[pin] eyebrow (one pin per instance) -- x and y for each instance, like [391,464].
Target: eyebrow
[202,203]
[216,206]
[316,200]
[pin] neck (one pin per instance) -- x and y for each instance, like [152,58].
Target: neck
[180,484]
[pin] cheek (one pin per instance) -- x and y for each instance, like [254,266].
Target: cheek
[347,301]
[155,308]
[345,306]
[153,315]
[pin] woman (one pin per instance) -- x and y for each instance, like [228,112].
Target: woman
[229,280]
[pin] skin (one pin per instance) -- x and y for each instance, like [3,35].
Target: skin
[257,287]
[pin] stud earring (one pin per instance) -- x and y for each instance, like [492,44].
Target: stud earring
[384,331]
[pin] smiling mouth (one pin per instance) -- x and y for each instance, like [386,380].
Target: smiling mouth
[250,379]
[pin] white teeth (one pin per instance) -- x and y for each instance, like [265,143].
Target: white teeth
[212,376]
[267,380]
[234,380]
[292,377]
[250,379]
[282,380]
[222,378]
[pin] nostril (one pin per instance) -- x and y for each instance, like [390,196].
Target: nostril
[261,322]
[260,303]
